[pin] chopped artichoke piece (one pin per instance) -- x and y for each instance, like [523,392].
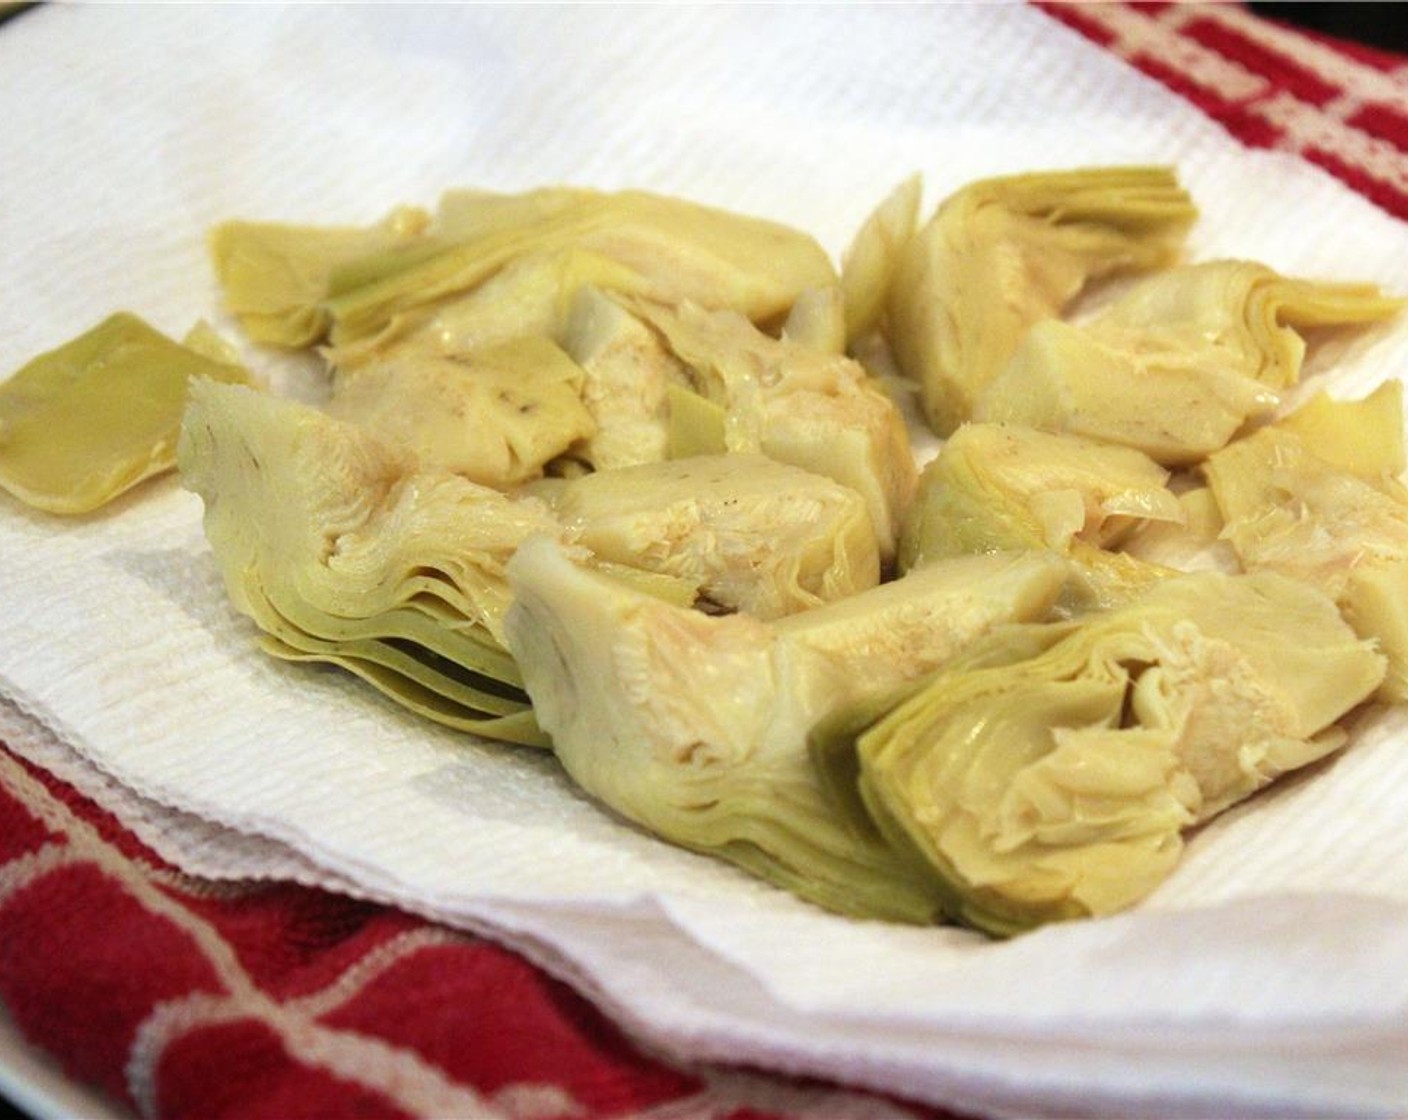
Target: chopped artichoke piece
[1003,486]
[815,410]
[339,546]
[532,295]
[1136,389]
[1290,510]
[753,534]
[1058,782]
[678,249]
[868,265]
[695,726]
[1250,314]
[463,213]
[818,320]
[1002,254]
[276,276]
[1363,437]
[496,417]
[627,372]
[1193,544]
[85,422]
[1181,363]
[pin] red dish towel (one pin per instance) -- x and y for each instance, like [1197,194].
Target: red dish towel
[1338,105]
[185,998]
[179,997]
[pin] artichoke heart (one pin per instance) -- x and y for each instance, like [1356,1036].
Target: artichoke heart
[627,371]
[1057,781]
[811,408]
[1002,254]
[85,422]
[1004,486]
[1181,363]
[342,548]
[669,248]
[496,417]
[1316,497]
[695,726]
[751,533]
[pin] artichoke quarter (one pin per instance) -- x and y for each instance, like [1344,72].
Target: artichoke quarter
[809,407]
[1002,254]
[1005,486]
[695,726]
[1180,363]
[1051,772]
[342,548]
[750,533]
[1316,497]
[497,417]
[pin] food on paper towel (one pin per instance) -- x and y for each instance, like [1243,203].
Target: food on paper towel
[101,413]
[1317,497]
[695,726]
[341,547]
[1051,775]
[1002,254]
[1181,363]
[750,533]
[630,479]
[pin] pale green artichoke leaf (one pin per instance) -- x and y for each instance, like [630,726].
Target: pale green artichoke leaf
[869,263]
[751,533]
[1061,784]
[695,726]
[1002,254]
[1363,437]
[276,276]
[89,420]
[518,727]
[496,417]
[818,320]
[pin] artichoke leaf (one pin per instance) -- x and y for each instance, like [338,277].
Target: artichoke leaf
[517,727]
[89,420]
[1060,784]
[1002,254]
[868,265]
[695,726]
[276,276]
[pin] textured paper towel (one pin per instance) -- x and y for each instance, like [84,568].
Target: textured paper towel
[1270,975]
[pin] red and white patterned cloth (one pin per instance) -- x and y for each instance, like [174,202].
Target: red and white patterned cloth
[190,998]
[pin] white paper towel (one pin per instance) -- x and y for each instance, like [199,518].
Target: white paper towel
[1268,977]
